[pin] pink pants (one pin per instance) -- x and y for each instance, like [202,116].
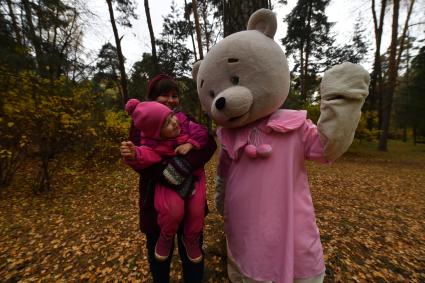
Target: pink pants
[172,209]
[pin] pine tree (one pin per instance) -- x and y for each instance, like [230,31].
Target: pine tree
[12,54]
[353,51]
[307,40]
[188,10]
[173,55]
[234,14]
[41,35]
[107,65]
[209,27]
[140,73]
[417,90]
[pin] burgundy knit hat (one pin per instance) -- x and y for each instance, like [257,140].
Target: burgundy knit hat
[148,116]
[152,92]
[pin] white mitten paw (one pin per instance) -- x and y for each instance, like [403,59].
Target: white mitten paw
[345,80]
[343,91]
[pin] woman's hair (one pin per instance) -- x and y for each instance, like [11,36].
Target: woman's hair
[160,84]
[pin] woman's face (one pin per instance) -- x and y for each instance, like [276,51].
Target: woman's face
[169,99]
[171,127]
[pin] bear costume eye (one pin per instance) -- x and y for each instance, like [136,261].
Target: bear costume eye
[235,80]
[232,60]
[202,83]
[212,94]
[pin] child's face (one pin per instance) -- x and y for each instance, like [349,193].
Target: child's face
[171,127]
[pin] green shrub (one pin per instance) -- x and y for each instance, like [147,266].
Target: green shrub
[362,132]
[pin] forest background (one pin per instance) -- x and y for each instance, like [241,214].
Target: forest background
[55,101]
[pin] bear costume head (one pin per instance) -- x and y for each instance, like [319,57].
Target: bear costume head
[245,76]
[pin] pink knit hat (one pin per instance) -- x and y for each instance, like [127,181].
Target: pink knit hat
[148,116]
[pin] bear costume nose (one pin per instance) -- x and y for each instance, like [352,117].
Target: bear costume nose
[220,103]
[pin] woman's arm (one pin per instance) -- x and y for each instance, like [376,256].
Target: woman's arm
[198,158]
[134,134]
[197,133]
[178,168]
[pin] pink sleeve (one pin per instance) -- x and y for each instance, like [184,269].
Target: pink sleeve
[313,148]
[198,135]
[224,163]
[145,157]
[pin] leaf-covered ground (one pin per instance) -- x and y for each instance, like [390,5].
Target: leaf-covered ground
[370,209]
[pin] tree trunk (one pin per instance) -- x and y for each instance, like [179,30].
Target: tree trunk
[191,33]
[403,35]
[197,28]
[414,135]
[34,39]
[302,76]
[387,99]
[407,76]
[42,181]
[15,26]
[124,91]
[306,56]
[152,36]
[376,76]
[193,45]
[201,54]
[205,20]
[237,12]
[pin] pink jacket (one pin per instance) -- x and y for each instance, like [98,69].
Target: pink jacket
[269,215]
[152,151]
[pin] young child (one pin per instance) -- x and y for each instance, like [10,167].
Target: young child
[164,134]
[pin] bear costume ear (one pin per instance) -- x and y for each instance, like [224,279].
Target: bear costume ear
[195,69]
[263,20]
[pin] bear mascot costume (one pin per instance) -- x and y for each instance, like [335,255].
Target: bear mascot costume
[262,186]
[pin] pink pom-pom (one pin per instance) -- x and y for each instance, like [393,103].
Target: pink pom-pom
[251,151]
[264,150]
[131,105]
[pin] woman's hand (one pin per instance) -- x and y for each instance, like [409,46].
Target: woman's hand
[128,150]
[183,149]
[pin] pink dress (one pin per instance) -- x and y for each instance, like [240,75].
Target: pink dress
[269,215]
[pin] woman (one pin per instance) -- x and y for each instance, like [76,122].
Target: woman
[163,89]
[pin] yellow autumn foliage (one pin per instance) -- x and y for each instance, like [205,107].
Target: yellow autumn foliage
[45,118]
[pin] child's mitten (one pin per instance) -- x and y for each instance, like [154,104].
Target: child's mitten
[177,170]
